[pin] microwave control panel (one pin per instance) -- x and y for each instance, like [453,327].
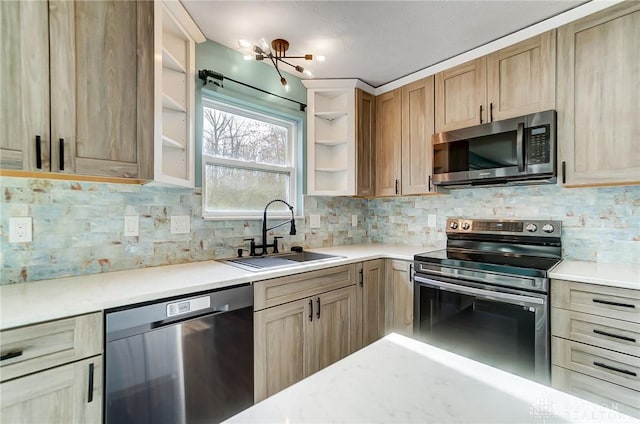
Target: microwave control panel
[538,146]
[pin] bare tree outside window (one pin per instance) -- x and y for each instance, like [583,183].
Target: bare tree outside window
[248,160]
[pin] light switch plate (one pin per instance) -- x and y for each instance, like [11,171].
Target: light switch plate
[131,226]
[354,220]
[180,224]
[314,221]
[20,230]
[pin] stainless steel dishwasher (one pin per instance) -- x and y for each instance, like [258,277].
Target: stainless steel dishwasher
[180,360]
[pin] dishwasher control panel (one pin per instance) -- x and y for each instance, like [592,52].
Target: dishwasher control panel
[186,306]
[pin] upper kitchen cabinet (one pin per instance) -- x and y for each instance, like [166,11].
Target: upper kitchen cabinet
[336,138]
[95,91]
[461,94]
[24,84]
[598,91]
[365,143]
[511,82]
[175,35]
[404,125]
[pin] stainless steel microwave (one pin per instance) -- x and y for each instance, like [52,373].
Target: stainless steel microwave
[514,150]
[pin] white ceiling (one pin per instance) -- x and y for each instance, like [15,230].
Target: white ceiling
[375,41]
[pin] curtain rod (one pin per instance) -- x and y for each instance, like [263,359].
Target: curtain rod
[217,78]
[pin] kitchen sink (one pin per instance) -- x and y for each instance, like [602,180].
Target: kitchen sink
[257,263]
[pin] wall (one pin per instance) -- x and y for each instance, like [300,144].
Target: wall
[599,224]
[78,226]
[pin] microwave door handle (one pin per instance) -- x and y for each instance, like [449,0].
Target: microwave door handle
[520,146]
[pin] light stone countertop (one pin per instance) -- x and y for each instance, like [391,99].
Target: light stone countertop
[612,275]
[38,301]
[401,380]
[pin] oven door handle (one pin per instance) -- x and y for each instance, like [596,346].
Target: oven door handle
[484,293]
[465,274]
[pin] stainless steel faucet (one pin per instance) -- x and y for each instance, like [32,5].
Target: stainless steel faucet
[263,247]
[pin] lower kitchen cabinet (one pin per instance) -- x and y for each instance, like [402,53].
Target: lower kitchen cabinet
[371,301]
[313,326]
[52,372]
[595,344]
[70,393]
[399,297]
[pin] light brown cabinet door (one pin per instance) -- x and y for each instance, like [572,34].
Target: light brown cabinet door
[24,84]
[372,290]
[282,336]
[334,328]
[399,298]
[365,143]
[598,92]
[102,87]
[461,95]
[57,395]
[417,129]
[388,143]
[521,78]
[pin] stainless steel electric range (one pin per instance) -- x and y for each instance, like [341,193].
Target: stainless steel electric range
[486,295]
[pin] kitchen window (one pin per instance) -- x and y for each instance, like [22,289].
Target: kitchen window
[248,159]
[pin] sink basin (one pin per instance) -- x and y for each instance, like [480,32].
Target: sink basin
[257,263]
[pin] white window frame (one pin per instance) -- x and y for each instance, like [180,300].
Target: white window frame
[290,168]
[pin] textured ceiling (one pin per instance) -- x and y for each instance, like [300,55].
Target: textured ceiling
[375,41]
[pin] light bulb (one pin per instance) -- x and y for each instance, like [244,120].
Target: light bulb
[308,73]
[320,58]
[299,68]
[265,45]
[283,81]
[248,57]
[244,44]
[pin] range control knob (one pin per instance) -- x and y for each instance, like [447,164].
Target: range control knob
[465,225]
[548,228]
[453,225]
[532,228]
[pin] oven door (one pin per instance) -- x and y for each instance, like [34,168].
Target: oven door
[501,327]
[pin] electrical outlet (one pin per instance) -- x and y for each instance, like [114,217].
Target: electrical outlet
[131,226]
[180,224]
[20,230]
[354,220]
[431,221]
[314,221]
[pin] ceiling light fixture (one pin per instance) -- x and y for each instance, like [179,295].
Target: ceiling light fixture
[276,53]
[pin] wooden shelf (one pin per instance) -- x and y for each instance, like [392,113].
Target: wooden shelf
[330,116]
[172,104]
[337,142]
[171,143]
[169,61]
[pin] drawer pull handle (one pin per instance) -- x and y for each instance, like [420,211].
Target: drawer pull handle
[90,392]
[604,333]
[609,367]
[608,302]
[11,355]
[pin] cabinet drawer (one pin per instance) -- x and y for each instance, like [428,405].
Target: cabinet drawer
[601,363]
[40,346]
[287,289]
[603,393]
[605,301]
[618,335]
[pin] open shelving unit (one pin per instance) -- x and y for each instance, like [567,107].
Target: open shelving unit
[331,137]
[174,84]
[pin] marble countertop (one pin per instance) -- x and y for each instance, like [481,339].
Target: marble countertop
[38,301]
[613,275]
[401,380]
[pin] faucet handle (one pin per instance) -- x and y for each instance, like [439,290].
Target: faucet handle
[252,251]
[275,244]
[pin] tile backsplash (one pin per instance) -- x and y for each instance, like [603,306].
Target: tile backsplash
[78,226]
